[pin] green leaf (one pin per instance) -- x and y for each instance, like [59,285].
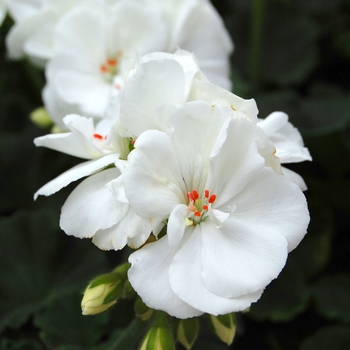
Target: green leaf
[23,344]
[284,298]
[332,297]
[334,337]
[62,324]
[314,251]
[322,115]
[40,264]
[289,51]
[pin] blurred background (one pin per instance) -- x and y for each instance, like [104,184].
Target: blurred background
[290,55]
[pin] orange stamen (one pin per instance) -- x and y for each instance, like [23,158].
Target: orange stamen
[205,207]
[112,62]
[197,213]
[212,199]
[206,194]
[103,68]
[98,136]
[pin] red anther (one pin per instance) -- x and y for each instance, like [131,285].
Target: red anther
[190,196]
[105,137]
[206,194]
[112,61]
[197,213]
[195,194]
[117,86]
[205,207]
[212,199]
[133,142]
[98,136]
[103,68]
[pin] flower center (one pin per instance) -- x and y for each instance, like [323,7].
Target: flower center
[199,206]
[109,68]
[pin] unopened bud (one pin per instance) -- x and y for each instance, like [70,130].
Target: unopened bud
[159,337]
[224,327]
[41,118]
[142,310]
[104,291]
[187,332]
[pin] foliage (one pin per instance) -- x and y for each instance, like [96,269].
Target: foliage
[290,55]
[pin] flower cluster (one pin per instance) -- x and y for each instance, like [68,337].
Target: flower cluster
[175,165]
[201,165]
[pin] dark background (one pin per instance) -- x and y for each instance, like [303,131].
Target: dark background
[292,56]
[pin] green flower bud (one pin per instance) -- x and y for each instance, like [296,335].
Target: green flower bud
[142,310]
[159,337]
[187,332]
[224,327]
[41,118]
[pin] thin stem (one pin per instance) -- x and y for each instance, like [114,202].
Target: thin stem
[256,37]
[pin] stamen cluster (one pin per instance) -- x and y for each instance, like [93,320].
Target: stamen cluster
[199,206]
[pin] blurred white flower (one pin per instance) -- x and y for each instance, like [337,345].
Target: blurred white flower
[231,218]
[92,42]
[33,31]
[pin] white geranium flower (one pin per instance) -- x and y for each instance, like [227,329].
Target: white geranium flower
[93,41]
[95,209]
[232,219]
[86,142]
[288,141]
[33,32]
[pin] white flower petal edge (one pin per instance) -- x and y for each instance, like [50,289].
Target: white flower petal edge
[221,262]
[287,139]
[76,173]
[92,211]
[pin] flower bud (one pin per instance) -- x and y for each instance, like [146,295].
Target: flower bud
[104,291]
[224,327]
[187,332]
[142,310]
[159,337]
[41,118]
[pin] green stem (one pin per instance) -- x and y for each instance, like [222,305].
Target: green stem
[256,37]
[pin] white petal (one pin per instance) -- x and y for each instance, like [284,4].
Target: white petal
[185,275]
[232,167]
[287,139]
[196,127]
[152,181]
[273,202]
[66,142]
[75,173]
[200,29]
[240,258]
[20,32]
[177,224]
[149,276]
[155,83]
[91,206]
[296,178]
[145,22]
[205,91]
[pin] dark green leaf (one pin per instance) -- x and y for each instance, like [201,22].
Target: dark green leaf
[284,298]
[39,264]
[334,338]
[332,297]
[62,323]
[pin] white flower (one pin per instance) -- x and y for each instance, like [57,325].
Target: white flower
[92,42]
[84,141]
[288,141]
[95,209]
[33,32]
[232,219]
